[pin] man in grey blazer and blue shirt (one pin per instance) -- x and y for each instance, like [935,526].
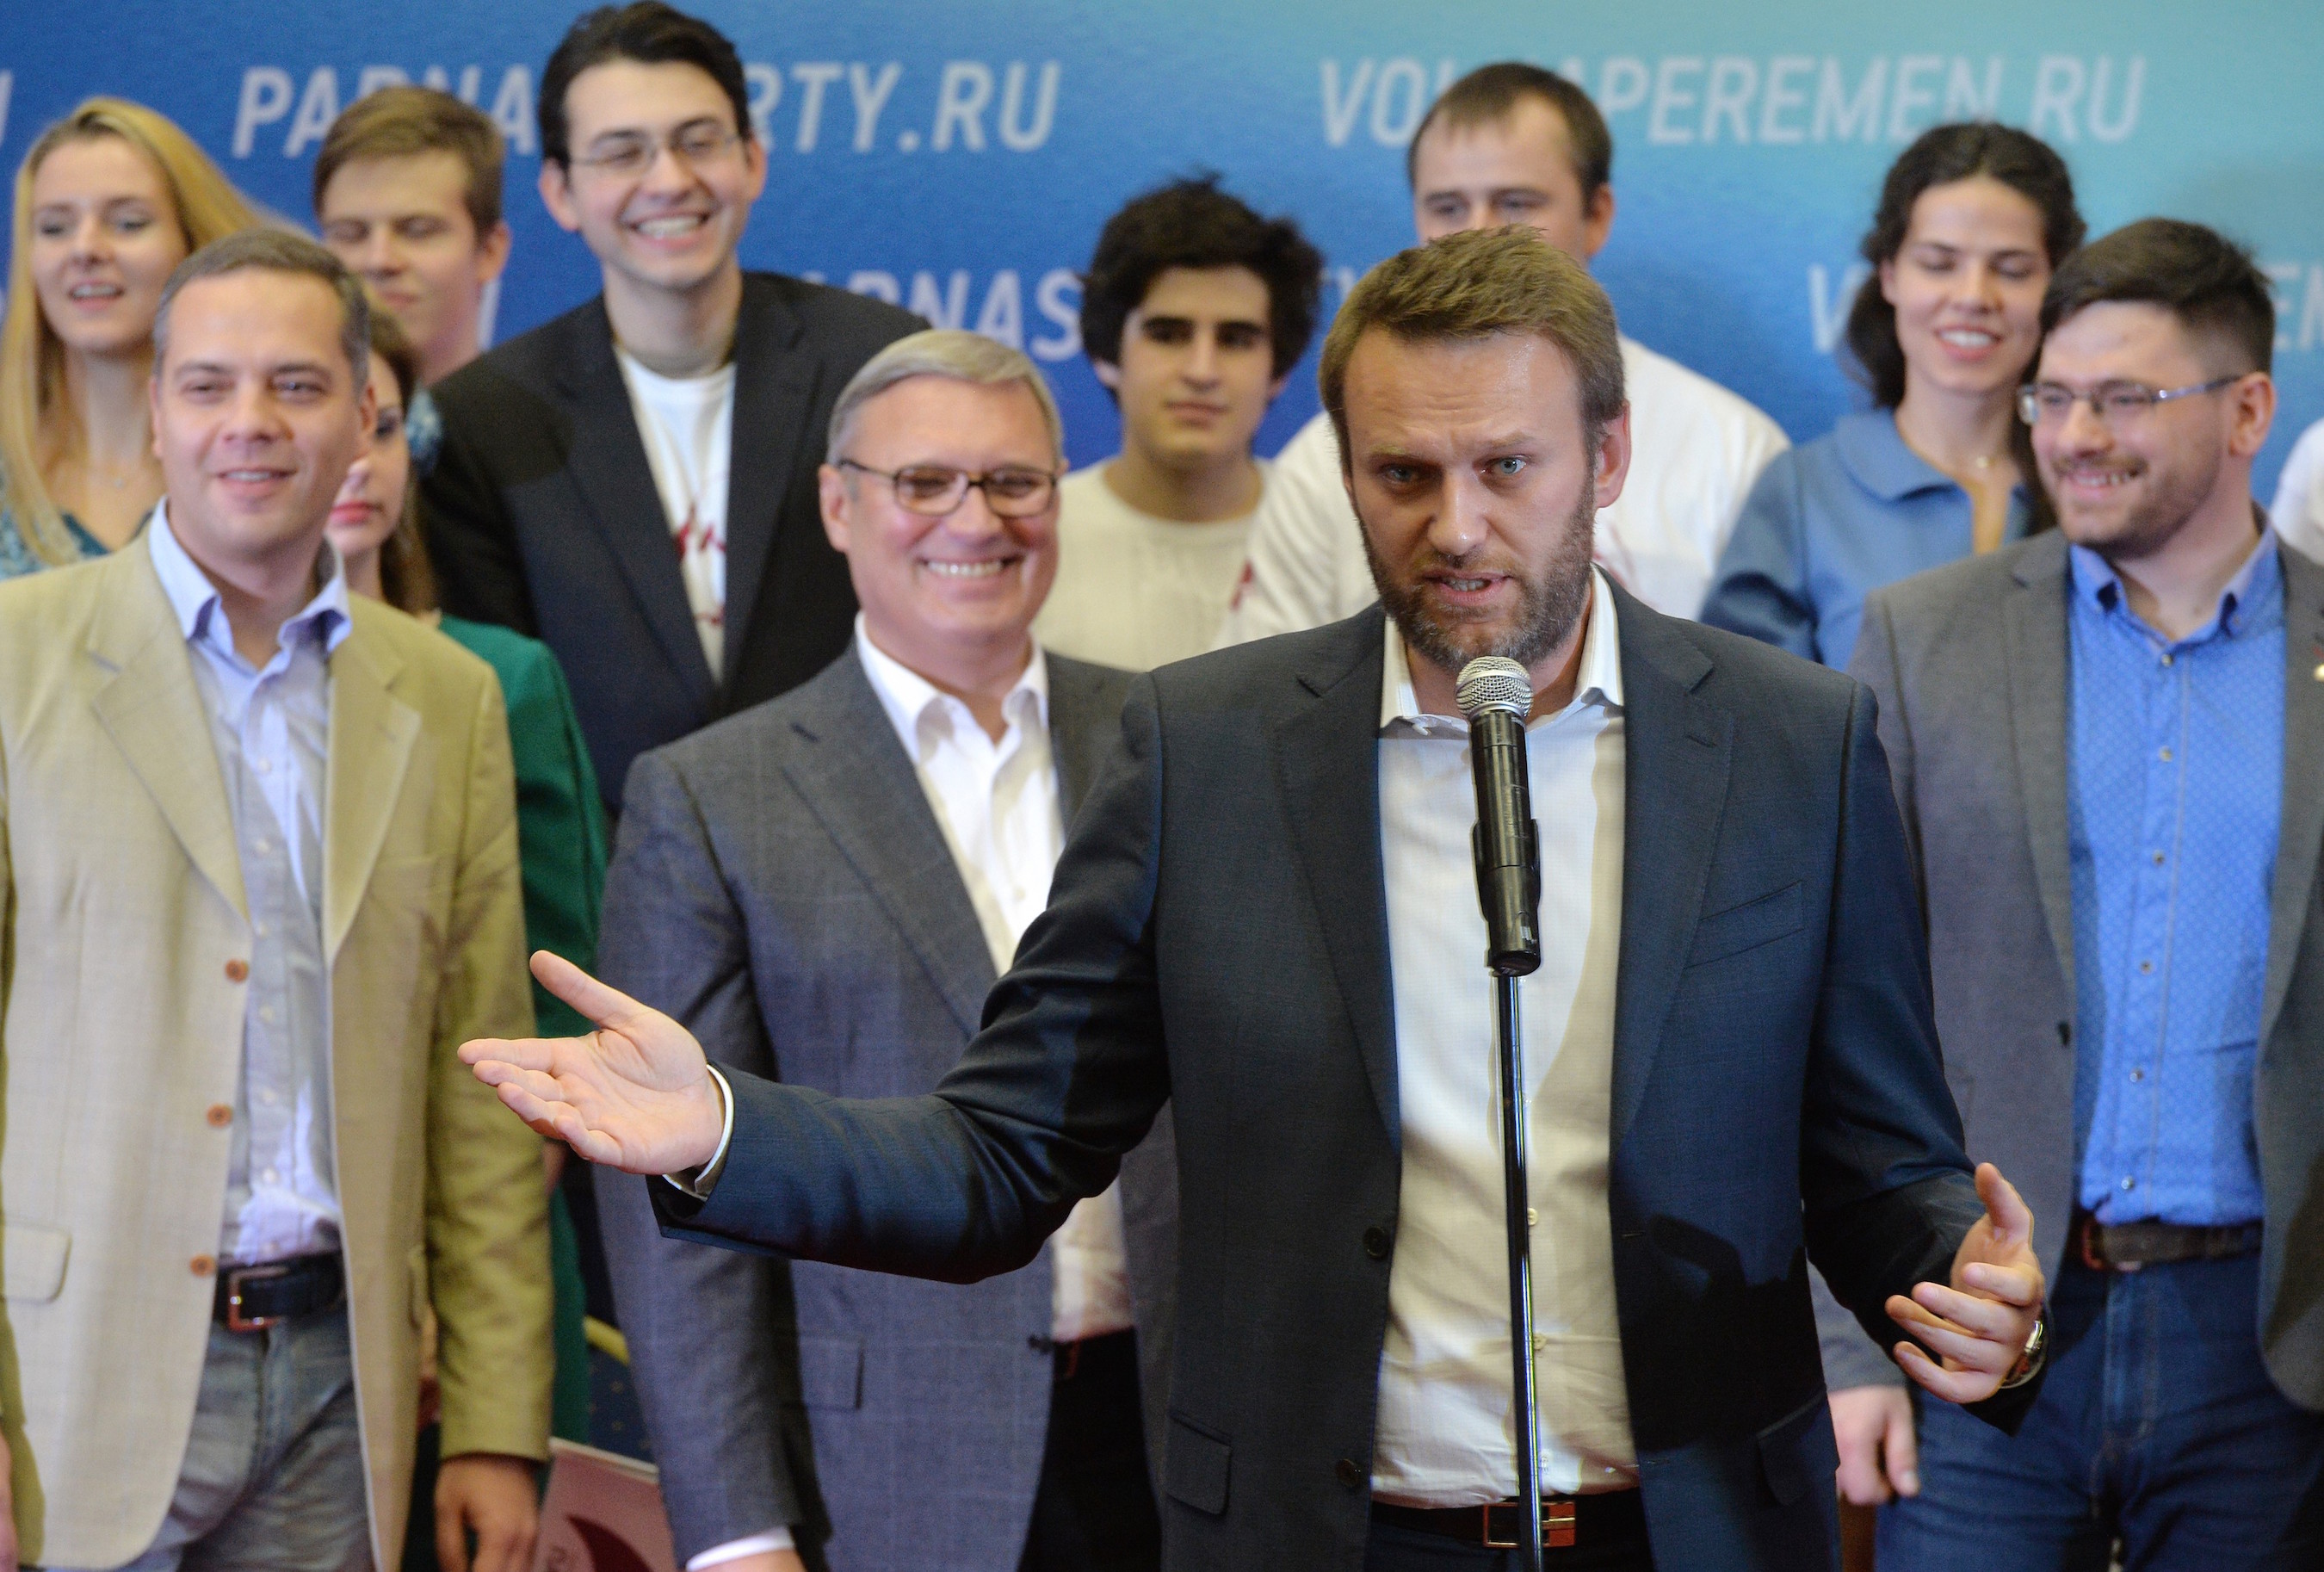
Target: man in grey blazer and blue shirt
[2109,747]
[1267,916]
[823,889]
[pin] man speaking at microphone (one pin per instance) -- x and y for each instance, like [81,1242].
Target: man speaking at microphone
[1267,912]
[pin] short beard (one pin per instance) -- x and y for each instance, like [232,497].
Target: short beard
[2148,528]
[1548,605]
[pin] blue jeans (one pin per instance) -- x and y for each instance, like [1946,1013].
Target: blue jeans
[273,1475]
[2157,1426]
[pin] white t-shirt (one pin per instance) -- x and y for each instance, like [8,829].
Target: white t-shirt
[1696,450]
[2299,511]
[688,425]
[1135,591]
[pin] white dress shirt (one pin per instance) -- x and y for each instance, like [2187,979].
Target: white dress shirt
[1445,1435]
[1696,448]
[997,803]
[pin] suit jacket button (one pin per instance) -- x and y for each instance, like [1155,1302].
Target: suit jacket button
[219,1115]
[1376,1243]
[203,1265]
[1349,1472]
[237,971]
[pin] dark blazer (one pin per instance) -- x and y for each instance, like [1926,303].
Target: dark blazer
[783,888]
[1971,667]
[541,514]
[1217,934]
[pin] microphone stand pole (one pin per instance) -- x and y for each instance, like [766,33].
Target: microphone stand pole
[1516,1199]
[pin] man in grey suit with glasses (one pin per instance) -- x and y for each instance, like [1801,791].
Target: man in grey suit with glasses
[2108,746]
[824,889]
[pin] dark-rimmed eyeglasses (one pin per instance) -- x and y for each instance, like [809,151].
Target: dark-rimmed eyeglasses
[697,147]
[2113,403]
[934,491]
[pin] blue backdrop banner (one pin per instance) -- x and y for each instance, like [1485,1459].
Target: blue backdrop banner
[959,156]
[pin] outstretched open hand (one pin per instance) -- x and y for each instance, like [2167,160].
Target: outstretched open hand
[1979,1325]
[634,1095]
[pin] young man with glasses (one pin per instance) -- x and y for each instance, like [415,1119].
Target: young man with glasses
[2109,746]
[633,482]
[1194,312]
[824,889]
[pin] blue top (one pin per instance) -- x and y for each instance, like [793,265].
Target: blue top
[271,729]
[2176,754]
[16,557]
[1828,522]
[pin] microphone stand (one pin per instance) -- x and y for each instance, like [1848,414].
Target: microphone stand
[1516,1202]
[1497,696]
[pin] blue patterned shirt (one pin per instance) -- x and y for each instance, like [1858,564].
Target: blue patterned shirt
[2176,760]
[270,727]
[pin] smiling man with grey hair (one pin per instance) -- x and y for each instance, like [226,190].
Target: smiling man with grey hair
[823,889]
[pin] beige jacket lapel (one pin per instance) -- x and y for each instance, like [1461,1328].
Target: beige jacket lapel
[150,705]
[371,736]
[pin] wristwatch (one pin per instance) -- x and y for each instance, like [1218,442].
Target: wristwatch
[2029,1362]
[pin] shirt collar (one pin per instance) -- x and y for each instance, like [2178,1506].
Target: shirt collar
[1599,682]
[200,613]
[1876,459]
[2096,583]
[907,696]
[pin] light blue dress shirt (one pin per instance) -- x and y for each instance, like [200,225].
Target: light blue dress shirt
[270,727]
[1828,522]
[2176,760]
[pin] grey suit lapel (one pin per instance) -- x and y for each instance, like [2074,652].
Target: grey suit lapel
[1084,717]
[854,775]
[2300,838]
[1327,757]
[2037,676]
[1678,750]
[774,392]
[609,467]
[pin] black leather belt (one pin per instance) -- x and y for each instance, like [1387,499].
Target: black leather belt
[1614,1519]
[1111,1349]
[251,1298]
[2127,1246]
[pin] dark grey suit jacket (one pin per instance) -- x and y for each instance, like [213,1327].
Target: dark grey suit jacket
[782,887]
[1971,665]
[1217,935]
[541,514]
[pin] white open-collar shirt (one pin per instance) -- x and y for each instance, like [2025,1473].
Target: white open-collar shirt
[1445,1432]
[997,804]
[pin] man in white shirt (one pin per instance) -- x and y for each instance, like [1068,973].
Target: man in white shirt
[1513,144]
[1194,311]
[1266,913]
[824,888]
[632,482]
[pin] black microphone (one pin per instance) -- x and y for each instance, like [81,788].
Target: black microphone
[1497,696]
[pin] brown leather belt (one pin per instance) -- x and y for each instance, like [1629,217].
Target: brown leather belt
[1615,1518]
[2127,1246]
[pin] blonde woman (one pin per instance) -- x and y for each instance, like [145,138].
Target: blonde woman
[109,201]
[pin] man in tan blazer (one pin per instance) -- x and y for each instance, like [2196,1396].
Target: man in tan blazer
[258,878]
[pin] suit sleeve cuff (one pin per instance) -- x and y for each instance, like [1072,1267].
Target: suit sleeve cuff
[775,1538]
[698,1182]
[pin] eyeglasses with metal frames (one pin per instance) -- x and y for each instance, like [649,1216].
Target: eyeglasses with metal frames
[934,491]
[2112,402]
[696,145]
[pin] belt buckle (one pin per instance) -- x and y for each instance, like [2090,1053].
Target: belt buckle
[2085,1240]
[235,1321]
[1557,1525]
